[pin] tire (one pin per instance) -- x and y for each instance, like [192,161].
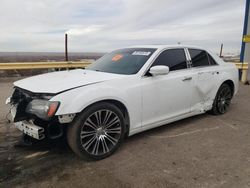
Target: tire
[97,132]
[222,100]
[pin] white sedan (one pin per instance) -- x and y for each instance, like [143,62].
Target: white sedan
[125,92]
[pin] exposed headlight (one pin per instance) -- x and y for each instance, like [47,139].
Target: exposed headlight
[42,108]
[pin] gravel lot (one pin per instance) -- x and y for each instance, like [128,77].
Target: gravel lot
[202,151]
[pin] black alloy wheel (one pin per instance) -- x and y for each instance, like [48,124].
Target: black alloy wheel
[97,132]
[222,100]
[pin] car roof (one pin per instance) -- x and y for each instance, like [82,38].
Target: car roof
[160,46]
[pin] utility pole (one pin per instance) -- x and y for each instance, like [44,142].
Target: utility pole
[245,47]
[66,47]
[221,50]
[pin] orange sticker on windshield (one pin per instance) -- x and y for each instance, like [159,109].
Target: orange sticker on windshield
[117,57]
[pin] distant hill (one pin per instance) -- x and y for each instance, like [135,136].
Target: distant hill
[6,57]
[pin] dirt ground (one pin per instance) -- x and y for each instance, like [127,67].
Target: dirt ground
[202,151]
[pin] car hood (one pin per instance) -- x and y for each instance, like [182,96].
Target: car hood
[57,82]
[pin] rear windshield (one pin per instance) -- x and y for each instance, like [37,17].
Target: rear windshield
[124,61]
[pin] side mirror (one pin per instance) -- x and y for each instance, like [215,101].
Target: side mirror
[159,70]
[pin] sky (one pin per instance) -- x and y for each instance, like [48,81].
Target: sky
[102,26]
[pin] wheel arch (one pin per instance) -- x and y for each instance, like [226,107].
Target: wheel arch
[231,85]
[121,106]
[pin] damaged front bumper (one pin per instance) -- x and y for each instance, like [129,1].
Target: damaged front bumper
[33,125]
[27,127]
[31,129]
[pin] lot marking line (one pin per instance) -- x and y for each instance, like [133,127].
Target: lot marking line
[228,124]
[187,133]
[36,154]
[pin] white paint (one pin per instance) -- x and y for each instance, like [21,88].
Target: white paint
[159,70]
[56,82]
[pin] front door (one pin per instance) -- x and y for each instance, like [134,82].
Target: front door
[167,96]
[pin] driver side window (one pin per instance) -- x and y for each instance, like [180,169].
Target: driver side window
[175,59]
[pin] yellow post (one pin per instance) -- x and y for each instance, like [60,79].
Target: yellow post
[244,69]
[244,75]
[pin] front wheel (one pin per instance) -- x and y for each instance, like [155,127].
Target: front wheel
[222,100]
[97,132]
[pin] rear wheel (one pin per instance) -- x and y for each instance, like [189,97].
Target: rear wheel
[222,100]
[97,132]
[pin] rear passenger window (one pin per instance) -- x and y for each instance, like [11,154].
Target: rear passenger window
[199,58]
[211,60]
[175,59]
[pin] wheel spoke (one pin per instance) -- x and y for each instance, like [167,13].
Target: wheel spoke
[223,108]
[98,118]
[96,147]
[220,106]
[228,94]
[89,142]
[223,92]
[107,116]
[90,124]
[105,147]
[111,139]
[116,130]
[227,102]
[112,122]
[85,134]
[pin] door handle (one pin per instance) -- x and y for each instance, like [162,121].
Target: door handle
[215,72]
[187,79]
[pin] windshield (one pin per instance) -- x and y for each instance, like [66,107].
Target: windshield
[124,61]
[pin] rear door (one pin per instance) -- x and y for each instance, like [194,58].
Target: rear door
[206,74]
